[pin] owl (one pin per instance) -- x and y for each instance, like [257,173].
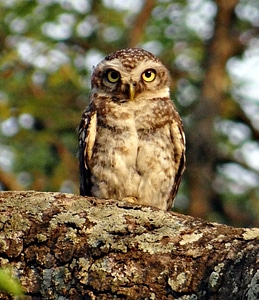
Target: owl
[131,139]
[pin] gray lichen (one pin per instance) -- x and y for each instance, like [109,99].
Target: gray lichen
[64,246]
[253,288]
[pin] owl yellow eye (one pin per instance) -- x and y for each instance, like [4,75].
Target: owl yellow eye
[149,75]
[113,76]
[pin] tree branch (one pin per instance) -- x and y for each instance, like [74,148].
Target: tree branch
[71,247]
[9,181]
[136,32]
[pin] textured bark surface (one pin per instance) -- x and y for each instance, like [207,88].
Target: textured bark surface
[63,246]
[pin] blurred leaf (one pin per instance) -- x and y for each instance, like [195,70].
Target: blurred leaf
[9,284]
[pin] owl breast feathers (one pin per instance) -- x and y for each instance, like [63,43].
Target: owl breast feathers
[131,140]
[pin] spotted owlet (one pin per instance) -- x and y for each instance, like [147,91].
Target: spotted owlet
[131,140]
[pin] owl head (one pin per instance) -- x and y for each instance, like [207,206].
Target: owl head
[130,74]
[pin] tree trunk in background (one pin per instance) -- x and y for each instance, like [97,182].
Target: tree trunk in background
[63,246]
[202,152]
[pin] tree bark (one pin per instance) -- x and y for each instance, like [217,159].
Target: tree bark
[63,246]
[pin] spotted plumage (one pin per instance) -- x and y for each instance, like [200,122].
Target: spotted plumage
[131,140]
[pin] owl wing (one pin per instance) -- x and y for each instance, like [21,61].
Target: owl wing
[178,140]
[86,140]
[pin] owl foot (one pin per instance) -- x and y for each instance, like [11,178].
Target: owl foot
[130,199]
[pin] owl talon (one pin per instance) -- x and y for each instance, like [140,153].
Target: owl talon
[130,199]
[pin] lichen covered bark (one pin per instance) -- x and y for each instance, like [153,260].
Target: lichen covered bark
[63,246]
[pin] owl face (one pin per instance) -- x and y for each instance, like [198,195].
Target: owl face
[130,74]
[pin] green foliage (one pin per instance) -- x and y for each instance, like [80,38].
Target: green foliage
[9,284]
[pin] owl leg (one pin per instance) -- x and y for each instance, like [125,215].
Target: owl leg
[130,199]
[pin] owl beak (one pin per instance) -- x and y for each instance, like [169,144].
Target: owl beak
[132,91]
